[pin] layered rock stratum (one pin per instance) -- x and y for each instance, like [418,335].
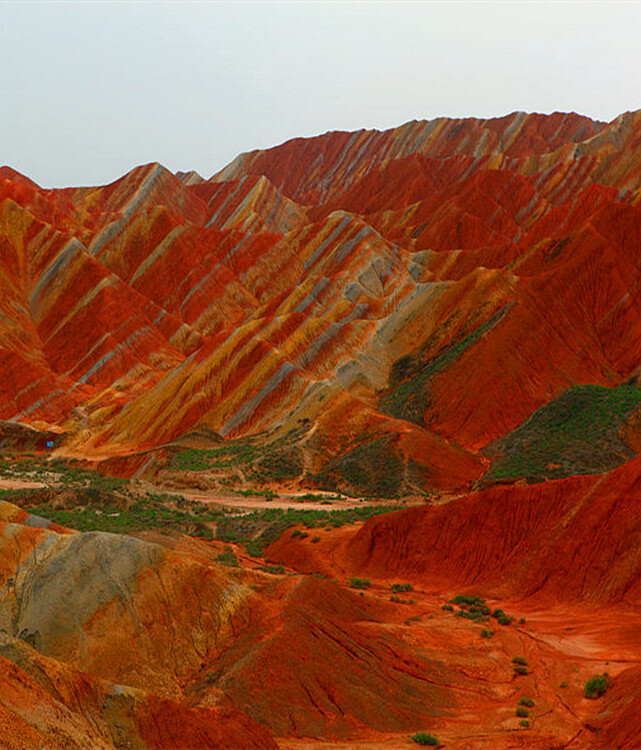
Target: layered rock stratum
[447,314]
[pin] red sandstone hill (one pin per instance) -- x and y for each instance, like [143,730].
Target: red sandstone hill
[445,305]
[450,307]
[434,284]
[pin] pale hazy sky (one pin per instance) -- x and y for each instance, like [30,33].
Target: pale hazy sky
[89,90]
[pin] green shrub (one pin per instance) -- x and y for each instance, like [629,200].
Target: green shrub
[315,539]
[519,660]
[359,583]
[464,600]
[596,686]
[487,633]
[563,684]
[425,738]
[519,670]
[474,616]
[527,702]
[504,620]
[399,588]
[524,723]
[520,711]
[448,608]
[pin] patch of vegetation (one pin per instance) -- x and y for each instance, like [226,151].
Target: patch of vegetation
[474,616]
[62,473]
[447,608]
[521,711]
[597,686]
[520,670]
[228,558]
[297,533]
[519,660]
[425,738]
[563,684]
[501,617]
[527,702]
[267,494]
[410,398]
[280,465]
[198,459]
[400,588]
[576,433]
[464,600]
[310,497]
[273,569]
[150,512]
[524,723]
[260,528]
[470,608]
[359,583]
[264,461]
[398,600]
[487,633]
[370,468]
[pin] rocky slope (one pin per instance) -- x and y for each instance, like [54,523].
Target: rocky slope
[435,284]
[449,310]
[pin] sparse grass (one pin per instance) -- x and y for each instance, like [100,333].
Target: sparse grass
[359,583]
[371,467]
[273,569]
[576,433]
[148,512]
[474,616]
[398,600]
[409,399]
[487,633]
[228,558]
[310,497]
[260,528]
[63,473]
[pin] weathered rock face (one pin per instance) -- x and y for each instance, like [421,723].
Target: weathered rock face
[436,283]
[574,539]
[103,635]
